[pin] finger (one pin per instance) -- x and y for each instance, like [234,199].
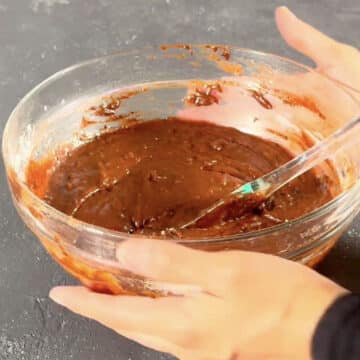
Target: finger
[306,39]
[337,60]
[105,309]
[164,324]
[125,313]
[168,262]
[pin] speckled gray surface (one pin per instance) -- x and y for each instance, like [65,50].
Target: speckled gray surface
[39,37]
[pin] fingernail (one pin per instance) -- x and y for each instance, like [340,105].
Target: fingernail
[288,11]
[55,294]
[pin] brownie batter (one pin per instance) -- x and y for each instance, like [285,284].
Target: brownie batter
[155,175]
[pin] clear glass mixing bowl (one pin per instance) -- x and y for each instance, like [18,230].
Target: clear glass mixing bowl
[51,115]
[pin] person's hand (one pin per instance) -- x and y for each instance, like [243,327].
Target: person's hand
[338,61]
[252,306]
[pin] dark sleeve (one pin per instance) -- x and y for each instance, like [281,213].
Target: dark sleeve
[337,336]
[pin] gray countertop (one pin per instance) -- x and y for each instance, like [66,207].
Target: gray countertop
[39,37]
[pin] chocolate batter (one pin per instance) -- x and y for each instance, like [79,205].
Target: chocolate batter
[154,175]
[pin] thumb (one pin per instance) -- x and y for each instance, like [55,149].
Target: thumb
[306,39]
[334,59]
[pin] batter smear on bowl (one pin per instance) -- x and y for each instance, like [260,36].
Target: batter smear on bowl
[154,175]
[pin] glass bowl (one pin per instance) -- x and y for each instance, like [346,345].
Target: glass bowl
[310,107]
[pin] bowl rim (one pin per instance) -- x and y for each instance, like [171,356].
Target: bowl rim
[121,236]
